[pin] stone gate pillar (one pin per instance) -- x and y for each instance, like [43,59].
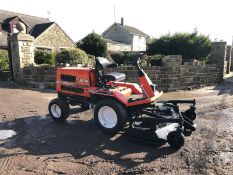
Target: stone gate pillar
[218,56]
[232,58]
[22,53]
[228,59]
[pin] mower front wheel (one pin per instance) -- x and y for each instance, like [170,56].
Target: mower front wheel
[59,109]
[110,116]
[175,139]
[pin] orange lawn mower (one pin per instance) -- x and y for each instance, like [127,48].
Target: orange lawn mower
[122,106]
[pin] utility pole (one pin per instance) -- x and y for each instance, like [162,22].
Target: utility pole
[48,14]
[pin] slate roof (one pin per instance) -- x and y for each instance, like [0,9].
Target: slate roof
[134,30]
[40,28]
[7,20]
[130,29]
[5,16]
[36,25]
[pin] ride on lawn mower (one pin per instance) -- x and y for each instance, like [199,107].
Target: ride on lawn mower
[122,106]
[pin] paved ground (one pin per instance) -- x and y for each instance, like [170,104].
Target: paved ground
[229,78]
[41,146]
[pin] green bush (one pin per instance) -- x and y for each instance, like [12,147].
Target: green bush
[189,45]
[207,59]
[72,56]
[154,60]
[91,59]
[4,60]
[129,57]
[45,57]
[125,57]
[118,57]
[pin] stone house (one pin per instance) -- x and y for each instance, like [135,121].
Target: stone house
[120,37]
[48,35]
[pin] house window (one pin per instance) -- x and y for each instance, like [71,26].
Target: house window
[44,49]
[62,48]
[135,38]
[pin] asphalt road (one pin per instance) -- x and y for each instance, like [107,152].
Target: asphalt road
[41,146]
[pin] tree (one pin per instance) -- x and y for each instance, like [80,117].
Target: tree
[189,45]
[93,44]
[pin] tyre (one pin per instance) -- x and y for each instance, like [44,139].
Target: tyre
[175,139]
[59,109]
[110,116]
[187,133]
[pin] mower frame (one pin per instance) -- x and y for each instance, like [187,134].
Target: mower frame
[121,105]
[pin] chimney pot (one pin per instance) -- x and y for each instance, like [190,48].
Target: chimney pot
[122,21]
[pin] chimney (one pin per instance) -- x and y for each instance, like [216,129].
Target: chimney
[122,21]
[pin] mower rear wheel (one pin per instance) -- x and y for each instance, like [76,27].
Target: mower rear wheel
[59,109]
[175,139]
[110,116]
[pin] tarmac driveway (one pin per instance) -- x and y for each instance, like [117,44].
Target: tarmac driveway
[41,146]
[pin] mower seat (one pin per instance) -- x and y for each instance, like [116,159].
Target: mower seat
[114,76]
[104,63]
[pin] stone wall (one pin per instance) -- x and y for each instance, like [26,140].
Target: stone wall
[5,75]
[171,76]
[54,38]
[39,77]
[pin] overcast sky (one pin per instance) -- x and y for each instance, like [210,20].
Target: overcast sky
[154,17]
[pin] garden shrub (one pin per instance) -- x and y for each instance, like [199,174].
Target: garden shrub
[4,60]
[189,45]
[118,57]
[45,57]
[72,56]
[154,60]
